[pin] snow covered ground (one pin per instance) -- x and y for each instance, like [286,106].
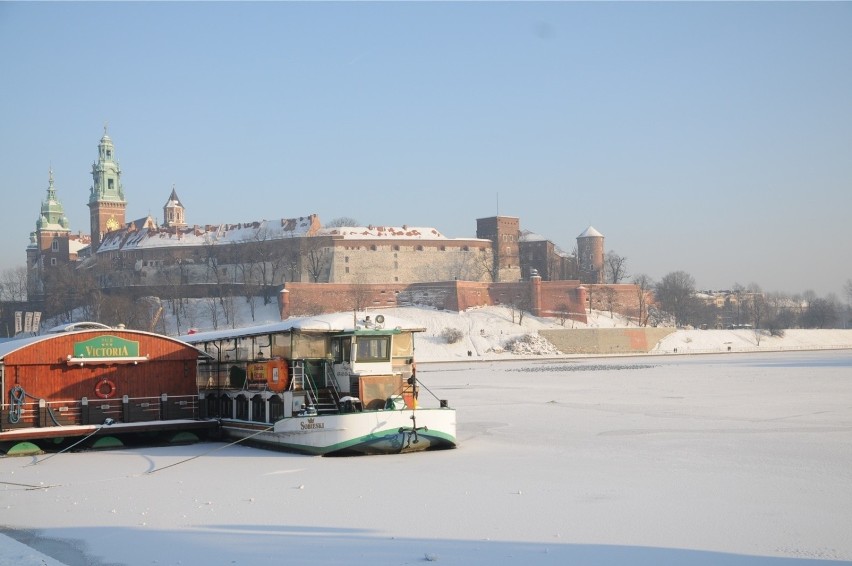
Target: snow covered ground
[737,459]
[487,332]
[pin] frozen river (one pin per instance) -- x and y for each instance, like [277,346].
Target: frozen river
[718,459]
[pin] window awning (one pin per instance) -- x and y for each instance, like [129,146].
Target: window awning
[81,361]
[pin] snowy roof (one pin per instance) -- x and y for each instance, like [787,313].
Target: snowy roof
[367,232]
[206,235]
[334,322]
[173,200]
[11,346]
[591,233]
[527,236]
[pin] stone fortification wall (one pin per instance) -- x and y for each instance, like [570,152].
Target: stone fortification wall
[428,261]
[622,298]
[314,298]
[605,340]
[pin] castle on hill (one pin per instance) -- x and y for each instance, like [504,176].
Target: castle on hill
[150,257]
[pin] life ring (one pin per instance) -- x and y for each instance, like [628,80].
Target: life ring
[110,389]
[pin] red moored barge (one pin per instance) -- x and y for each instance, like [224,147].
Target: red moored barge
[92,380]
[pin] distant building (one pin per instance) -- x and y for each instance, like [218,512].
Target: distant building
[52,244]
[504,233]
[590,256]
[143,256]
[106,197]
[540,256]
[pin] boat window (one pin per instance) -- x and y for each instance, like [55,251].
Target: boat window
[340,348]
[281,345]
[308,346]
[373,348]
[403,345]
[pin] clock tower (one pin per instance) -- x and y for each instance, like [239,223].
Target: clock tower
[106,198]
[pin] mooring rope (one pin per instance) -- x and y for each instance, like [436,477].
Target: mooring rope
[94,432]
[267,429]
[16,400]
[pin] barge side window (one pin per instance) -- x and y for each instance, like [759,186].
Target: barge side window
[373,348]
[340,349]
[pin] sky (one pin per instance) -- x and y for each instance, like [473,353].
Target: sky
[712,138]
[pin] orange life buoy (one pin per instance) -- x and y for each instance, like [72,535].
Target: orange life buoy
[110,389]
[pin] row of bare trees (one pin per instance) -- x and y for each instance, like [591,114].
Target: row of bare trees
[675,298]
[747,307]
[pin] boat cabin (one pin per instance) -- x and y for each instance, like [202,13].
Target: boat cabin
[320,364]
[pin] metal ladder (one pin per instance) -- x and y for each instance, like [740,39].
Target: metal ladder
[326,400]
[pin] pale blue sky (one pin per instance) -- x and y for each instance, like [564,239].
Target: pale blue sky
[714,138]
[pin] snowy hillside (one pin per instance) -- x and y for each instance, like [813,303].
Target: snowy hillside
[490,333]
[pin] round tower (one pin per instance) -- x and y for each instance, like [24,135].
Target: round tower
[590,256]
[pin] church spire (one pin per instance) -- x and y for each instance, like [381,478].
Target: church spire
[52,215]
[173,212]
[106,198]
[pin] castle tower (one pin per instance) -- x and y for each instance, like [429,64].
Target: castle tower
[48,245]
[590,256]
[504,233]
[106,199]
[173,212]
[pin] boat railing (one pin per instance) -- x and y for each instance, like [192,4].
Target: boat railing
[40,413]
[300,379]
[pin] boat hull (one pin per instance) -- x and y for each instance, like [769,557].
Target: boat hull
[367,432]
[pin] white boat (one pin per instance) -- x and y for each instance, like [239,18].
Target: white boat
[330,384]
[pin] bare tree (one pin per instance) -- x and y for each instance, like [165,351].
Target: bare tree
[740,298]
[610,297]
[213,311]
[13,284]
[820,313]
[563,313]
[757,305]
[483,263]
[520,303]
[615,267]
[315,254]
[644,286]
[341,222]
[675,293]
[67,288]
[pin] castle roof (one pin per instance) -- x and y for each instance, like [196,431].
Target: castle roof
[125,239]
[385,232]
[590,232]
[173,200]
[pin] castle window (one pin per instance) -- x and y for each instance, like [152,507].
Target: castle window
[109,184]
[55,245]
[346,259]
[419,248]
[53,261]
[373,247]
[347,270]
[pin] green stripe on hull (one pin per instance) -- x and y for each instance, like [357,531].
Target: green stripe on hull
[389,441]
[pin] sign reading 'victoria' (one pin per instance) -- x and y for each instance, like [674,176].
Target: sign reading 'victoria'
[106,346]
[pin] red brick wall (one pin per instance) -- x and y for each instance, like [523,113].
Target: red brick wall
[625,298]
[553,298]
